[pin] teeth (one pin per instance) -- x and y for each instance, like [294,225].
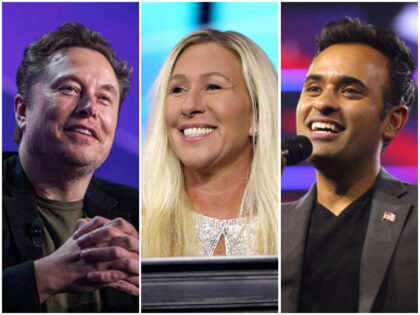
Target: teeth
[194,132]
[322,127]
[85,131]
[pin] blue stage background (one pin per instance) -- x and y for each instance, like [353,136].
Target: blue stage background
[165,24]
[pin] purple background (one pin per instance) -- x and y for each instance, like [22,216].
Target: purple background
[119,24]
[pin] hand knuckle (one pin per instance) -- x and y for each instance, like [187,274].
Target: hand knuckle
[112,231]
[119,222]
[116,252]
[99,219]
[125,240]
[114,274]
[126,264]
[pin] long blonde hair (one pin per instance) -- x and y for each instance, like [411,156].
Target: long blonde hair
[167,223]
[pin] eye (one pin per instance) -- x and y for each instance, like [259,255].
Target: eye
[313,90]
[213,87]
[105,98]
[176,90]
[68,89]
[351,91]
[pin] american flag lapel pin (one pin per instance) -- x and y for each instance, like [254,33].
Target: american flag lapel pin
[389,216]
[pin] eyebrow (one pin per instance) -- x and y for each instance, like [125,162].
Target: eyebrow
[110,88]
[66,77]
[217,74]
[345,79]
[313,77]
[204,75]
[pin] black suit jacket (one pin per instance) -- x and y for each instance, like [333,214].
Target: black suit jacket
[388,267]
[19,252]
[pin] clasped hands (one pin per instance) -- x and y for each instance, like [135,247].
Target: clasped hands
[100,253]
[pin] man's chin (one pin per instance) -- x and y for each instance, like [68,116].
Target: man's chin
[328,163]
[321,158]
[86,163]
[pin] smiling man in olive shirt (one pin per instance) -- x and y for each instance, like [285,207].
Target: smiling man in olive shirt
[70,240]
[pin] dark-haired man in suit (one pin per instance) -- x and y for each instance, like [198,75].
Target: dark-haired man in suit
[350,244]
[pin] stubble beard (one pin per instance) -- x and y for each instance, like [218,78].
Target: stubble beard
[62,161]
[78,167]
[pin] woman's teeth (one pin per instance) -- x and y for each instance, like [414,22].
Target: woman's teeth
[195,132]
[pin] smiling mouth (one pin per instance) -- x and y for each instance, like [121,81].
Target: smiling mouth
[82,130]
[195,132]
[324,127]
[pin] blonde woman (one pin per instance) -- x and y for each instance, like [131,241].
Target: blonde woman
[210,158]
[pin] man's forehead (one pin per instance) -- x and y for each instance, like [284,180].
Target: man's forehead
[73,55]
[80,61]
[355,59]
[57,61]
[57,57]
[350,51]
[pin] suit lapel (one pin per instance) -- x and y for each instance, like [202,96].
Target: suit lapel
[381,237]
[294,228]
[97,202]
[19,206]
[21,211]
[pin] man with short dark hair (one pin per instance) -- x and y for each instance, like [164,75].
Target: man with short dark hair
[70,240]
[350,244]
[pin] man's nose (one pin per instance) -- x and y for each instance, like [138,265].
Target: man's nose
[193,103]
[327,102]
[87,106]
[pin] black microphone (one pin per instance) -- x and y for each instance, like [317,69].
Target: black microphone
[36,231]
[296,149]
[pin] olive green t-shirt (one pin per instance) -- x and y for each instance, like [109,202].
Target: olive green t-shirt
[60,223]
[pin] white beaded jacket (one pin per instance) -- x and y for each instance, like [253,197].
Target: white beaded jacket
[239,234]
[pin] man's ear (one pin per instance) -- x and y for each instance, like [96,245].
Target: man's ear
[395,120]
[20,111]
